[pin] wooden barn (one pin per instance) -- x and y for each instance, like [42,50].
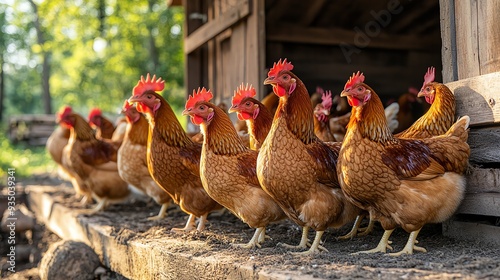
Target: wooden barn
[393,42]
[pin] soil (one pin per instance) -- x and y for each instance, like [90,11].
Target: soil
[446,258]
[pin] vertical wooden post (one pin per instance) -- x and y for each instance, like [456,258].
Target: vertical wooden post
[489,36]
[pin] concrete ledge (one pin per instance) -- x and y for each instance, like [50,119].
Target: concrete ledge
[141,258]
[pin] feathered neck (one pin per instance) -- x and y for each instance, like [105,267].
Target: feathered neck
[107,128]
[259,127]
[443,105]
[220,135]
[138,133]
[166,124]
[370,120]
[81,130]
[297,110]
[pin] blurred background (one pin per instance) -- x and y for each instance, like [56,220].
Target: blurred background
[82,53]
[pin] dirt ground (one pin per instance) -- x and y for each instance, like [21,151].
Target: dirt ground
[446,258]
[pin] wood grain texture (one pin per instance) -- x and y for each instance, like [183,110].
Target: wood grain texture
[488,36]
[211,29]
[483,180]
[485,145]
[485,204]
[467,46]
[479,98]
[449,47]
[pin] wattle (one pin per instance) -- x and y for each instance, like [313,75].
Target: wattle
[353,101]
[279,91]
[242,116]
[197,120]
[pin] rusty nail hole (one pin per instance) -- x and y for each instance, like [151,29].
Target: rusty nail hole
[491,102]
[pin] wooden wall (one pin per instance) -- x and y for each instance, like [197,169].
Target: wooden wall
[471,68]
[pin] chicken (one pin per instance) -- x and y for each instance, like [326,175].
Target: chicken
[256,115]
[173,158]
[321,118]
[271,102]
[91,162]
[104,128]
[401,182]
[410,109]
[440,116]
[227,168]
[55,145]
[338,126]
[132,160]
[120,130]
[296,168]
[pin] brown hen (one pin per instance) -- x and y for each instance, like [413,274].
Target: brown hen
[401,182]
[132,159]
[91,162]
[227,168]
[173,158]
[296,168]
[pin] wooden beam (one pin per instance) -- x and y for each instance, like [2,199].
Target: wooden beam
[212,28]
[484,204]
[471,231]
[485,145]
[410,19]
[467,42]
[338,36]
[488,36]
[311,14]
[449,46]
[483,180]
[479,98]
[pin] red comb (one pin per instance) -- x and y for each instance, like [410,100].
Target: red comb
[430,75]
[64,111]
[242,92]
[200,95]
[354,79]
[149,83]
[94,113]
[278,67]
[327,100]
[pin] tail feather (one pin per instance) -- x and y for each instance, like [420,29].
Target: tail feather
[460,128]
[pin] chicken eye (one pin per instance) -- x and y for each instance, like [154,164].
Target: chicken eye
[428,88]
[202,107]
[360,89]
[149,96]
[286,77]
[248,103]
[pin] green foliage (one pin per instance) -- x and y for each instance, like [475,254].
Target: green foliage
[26,160]
[142,36]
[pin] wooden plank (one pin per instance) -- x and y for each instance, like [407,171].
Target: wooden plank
[484,204]
[488,36]
[449,47]
[211,29]
[466,39]
[337,36]
[472,231]
[483,180]
[485,145]
[479,98]
[256,45]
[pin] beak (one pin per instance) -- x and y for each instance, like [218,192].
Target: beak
[133,99]
[326,112]
[344,93]
[269,81]
[233,109]
[420,94]
[185,112]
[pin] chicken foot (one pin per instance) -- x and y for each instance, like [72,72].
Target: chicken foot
[410,245]
[161,214]
[189,225]
[100,206]
[202,222]
[255,241]
[356,230]
[315,246]
[303,241]
[383,245]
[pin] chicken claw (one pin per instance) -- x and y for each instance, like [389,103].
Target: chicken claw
[100,206]
[354,230]
[315,247]
[161,214]
[255,241]
[367,230]
[189,225]
[303,241]
[383,245]
[202,222]
[410,245]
